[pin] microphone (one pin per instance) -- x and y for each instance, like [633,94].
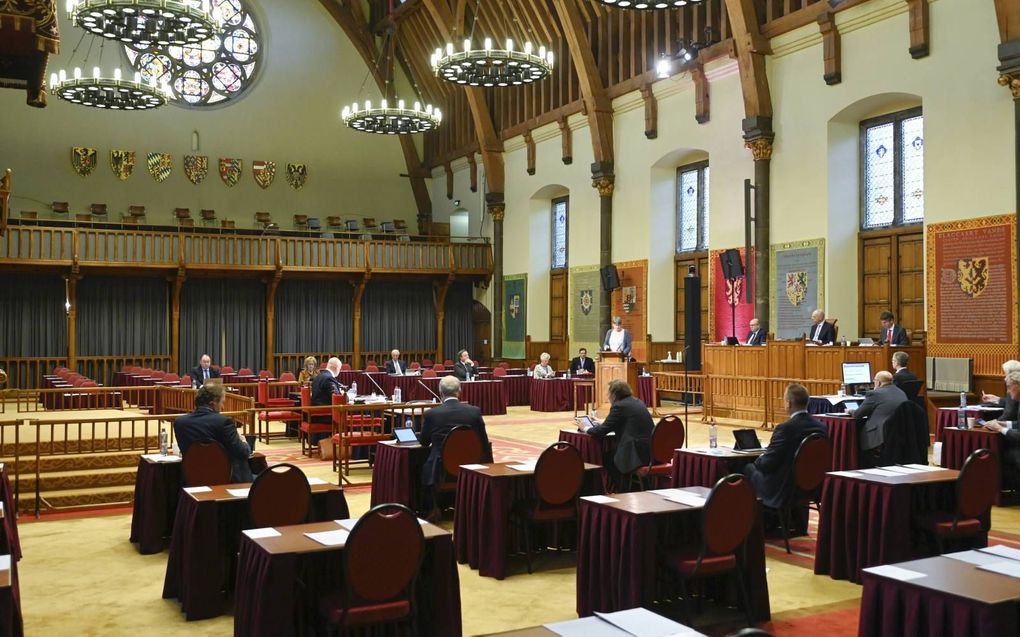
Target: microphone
[369,377]
[436,396]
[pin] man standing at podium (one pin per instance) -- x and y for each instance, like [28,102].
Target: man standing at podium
[617,339]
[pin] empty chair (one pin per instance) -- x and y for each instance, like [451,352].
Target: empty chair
[426,362]
[186,380]
[499,371]
[354,430]
[277,410]
[461,446]
[504,365]
[333,222]
[345,367]
[265,373]
[135,214]
[226,369]
[279,496]
[429,373]
[245,371]
[171,377]
[300,221]
[369,223]
[371,368]
[668,435]
[314,225]
[387,227]
[206,463]
[438,367]
[811,462]
[448,363]
[29,214]
[183,216]
[352,225]
[399,225]
[313,421]
[559,475]
[60,208]
[263,218]
[976,489]
[414,365]
[98,211]
[208,216]
[227,224]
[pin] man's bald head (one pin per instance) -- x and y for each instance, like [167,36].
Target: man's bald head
[883,378]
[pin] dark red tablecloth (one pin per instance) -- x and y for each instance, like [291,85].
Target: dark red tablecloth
[593,450]
[557,394]
[958,444]
[396,475]
[950,418]
[408,386]
[618,554]
[517,387]
[269,600]
[645,385]
[488,395]
[10,596]
[891,608]
[482,515]
[843,434]
[693,469]
[10,516]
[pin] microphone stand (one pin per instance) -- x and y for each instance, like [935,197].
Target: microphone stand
[733,312]
[372,380]
[434,395]
[687,442]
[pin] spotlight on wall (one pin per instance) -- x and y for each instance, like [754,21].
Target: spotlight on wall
[664,67]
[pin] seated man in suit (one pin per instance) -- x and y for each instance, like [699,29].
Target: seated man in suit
[876,409]
[205,424]
[617,339]
[820,332]
[892,334]
[1009,406]
[440,421]
[772,473]
[902,375]
[755,335]
[395,365]
[629,419]
[323,388]
[203,372]
[1009,429]
[464,368]
[581,364]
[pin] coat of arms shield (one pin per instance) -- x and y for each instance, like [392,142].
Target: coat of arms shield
[587,297]
[196,168]
[796,287]
[264,172]
[629,298]
[734,290]
[973,275]
[123,163]
[515,305]
[83,160]
[160,165]
[230,170]
[297,175]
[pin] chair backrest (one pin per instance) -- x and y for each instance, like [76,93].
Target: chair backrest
[977,484]
[171,377]
[383,555]
[728,515]
[306,396]
[462,445]
[426,362]
[835,327]
[414,365]
[438,367]
[287,377]
[245,371]
[371,368]
[337,399]
[905,436]
[372,361]
[226,369]
[345,367]
[186,380]
[429,373]
[265,373]
[158,373]
[504,365]
[559,474]
[499,371]
[811,462]
[262,393]
[206,463]
[668,435]
[448,363]
[280,496]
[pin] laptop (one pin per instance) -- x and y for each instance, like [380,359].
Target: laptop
[732,340]
[864,340]
[585,422]
[746,440]
[405,436]
[850,406]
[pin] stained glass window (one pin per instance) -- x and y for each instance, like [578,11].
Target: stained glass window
[692,208]
[892,169]
[559,232]
[209,72]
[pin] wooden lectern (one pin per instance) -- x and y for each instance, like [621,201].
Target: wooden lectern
[612,365]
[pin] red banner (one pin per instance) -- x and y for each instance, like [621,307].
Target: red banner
[727,297]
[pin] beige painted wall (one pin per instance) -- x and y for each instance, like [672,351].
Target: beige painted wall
[968,163]
[309,70]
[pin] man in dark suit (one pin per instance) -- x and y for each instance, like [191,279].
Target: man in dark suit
[892,334]
[629,419]
[772,473]
[877,408]
[755,335]
[1008,427]
[464,368]
[395,365]
[581,364]
[205,424]
[323,388]
[1009,406]
[820,331]
[203,372]
[903,377]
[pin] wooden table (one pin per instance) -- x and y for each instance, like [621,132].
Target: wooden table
[954,598]
[279,580]
[621,543]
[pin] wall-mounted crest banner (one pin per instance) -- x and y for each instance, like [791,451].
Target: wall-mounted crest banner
[515,315]
[584,285]
[83,160]
[728,311]
[196,168]
[797,275]
[230,170]
[123,163]
[160,165]
[264,172]
[297,175]
[630,303]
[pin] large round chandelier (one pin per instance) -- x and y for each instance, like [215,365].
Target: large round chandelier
[648,4]
[391,121]
[490,66]
[147,22]
[114,94]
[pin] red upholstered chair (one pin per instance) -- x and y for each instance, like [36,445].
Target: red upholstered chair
[668,435]
[278,409]
[429,373]
[559,475]
[448,363]
[438,367]
[531,367]
[354,430]
[307,427]
[414,365]
[205,464]
[226,369]
[345,367]
[324,364]
[504,365]
[726,521]
[186,380]
[158,374]
[462,445]
[499,371]
[371,368]
[287,377]
[810,464]
[383,555]
[280,496]
[171,378]
[245,371]
[426,362]
[371,362]
[265,373]
[976,488]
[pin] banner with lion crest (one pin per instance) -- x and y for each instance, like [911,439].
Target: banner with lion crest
[797,273]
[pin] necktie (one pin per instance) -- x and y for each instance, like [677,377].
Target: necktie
[888,336]
[205,374]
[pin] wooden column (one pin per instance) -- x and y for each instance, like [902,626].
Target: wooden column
[175,322]
[497,207]
[758,138]
[440,288]
[359,289]
[1008,14]
[72,322]
[603,179]
[271,286]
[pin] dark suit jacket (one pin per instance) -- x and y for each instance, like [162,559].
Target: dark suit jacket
[205,425]
[1009,408]
[630,419]
[772,476]
[575,365]
[196,374]
[904,376]
[899,336]
[440,421]
[755,338]
[390,369]
[323,388]
[1011,449]
[877,408]
[827,334]
[460,370]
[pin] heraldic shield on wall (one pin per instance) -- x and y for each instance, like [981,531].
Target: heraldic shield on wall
[83,160]
[973,275]
[230,170]
[297,175]
[264,172]
[160,165]
[196,168]
[122,162]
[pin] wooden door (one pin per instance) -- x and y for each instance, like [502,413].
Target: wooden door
[891,278]
[558,306]
[482,319]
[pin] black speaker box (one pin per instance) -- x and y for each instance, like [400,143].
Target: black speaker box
[732,268]
[692,322]
[610,278]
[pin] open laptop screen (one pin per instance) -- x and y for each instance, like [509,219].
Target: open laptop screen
[405,434]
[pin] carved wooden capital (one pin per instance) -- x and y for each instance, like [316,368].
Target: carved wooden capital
[1012,82]
[604,185]
[760,147]
[497,212]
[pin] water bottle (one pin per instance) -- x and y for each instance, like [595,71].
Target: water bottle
[568,372]
[713,435]
[162,441]
[397,395]
[354,388]
[842,390]
[669,356]
[961,413]
[409,423]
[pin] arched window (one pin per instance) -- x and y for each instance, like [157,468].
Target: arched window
[209,72]
[692,207]
[892,169]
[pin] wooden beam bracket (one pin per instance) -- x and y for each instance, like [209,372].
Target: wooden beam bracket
[702,110]
[449,180]
[529,142]
[831,48]
[651,111]
[473,171]
[920,28]
[566,141]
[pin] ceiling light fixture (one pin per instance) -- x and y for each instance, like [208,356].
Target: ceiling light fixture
[147,22]
[102,92]
[648,5]
[391,121]
[489,66]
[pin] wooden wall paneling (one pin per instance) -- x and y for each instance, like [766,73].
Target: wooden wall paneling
[909,307]
[823,363]
[876,283]
[786,359]
[558,306]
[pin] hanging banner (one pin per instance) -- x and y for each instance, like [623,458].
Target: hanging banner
[797,273]
[728,314]
[585,290]
[515,315]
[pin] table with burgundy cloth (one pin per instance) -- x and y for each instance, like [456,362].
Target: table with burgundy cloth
[958,444]
[409,387]
[949,417]
[594,450]
[557,394]
[845,448]
[869,520]
[697,467]
[205,538]
[279,580]
[10,522]
[488,395]
[620,545]
[396,475]
[481,523]
[157,489]
[953,598]
[645,386]
[517,387]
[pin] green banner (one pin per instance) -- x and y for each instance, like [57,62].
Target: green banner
[585,296]
[515,323]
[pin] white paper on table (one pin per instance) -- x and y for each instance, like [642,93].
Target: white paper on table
[974,557]
[894,572]
[903,470]
[475,467]
[239,493]
[1002,551]
[643,622]
[158,457]
[878,472]
[266,532]
[348,523]
[330,538]
[586,627]
[1003,567]
[923,467]
[599,499]
[847,474]
[197,489]
[524,466]
[688,499]
[665,492]
[312,481]
[5,562]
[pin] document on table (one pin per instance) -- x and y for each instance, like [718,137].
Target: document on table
[903,469]
[665,492]
[266,532]
[687,498]
[974,557]
[312,481]
[524,466]
[158,457]
[599,499]
[197,489]
[586,627]
[5,562]
[1002,551]
[239,493]
[475,467]
[348,523]
[879,472]
[894,572]
[1003,567]
[330,538]
[923,467]
[645,623]
[847,474]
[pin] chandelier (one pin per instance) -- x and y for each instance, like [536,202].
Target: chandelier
[648,4]
[492,67]
[114,94]
[391,121]
[147,22]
